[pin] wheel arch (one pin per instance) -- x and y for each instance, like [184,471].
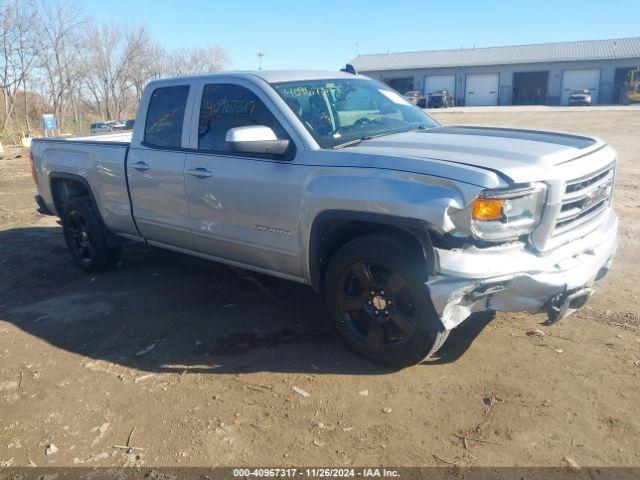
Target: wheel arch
[332,229]
[65,186]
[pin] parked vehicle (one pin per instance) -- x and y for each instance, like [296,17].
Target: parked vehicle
[440,99]
[107,126]
[416,98]
[406,227]
[580,96]
[115,125]
[99,127]
[631,88]
[128,125]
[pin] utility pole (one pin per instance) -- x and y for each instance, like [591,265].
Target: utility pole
[260,55]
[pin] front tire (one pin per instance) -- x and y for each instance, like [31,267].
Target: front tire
[85,237]
[376,294]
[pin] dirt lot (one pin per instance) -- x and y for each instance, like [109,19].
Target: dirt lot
[201,359]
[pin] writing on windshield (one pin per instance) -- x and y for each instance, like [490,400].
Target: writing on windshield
[339,111]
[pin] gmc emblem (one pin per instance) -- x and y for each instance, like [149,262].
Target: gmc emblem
[597,195]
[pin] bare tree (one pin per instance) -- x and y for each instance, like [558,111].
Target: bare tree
[150,64]
[17,23]
[195,60]
[116,55]
[123,59]
[54,59]
[58,44]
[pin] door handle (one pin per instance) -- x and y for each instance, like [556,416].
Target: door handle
[200,172]
[141,166]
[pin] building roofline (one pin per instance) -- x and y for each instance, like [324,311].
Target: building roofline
[537,44]
[489,64]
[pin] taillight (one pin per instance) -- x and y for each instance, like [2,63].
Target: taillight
[33,168]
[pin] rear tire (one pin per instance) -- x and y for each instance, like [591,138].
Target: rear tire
[376,294]
[86,238]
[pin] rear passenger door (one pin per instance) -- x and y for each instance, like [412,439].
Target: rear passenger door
[244,208]
[155,169]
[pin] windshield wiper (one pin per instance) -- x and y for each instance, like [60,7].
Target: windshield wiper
[357,141]
[351,143]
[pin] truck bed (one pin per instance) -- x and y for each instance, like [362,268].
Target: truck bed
[97,161]
[111,137]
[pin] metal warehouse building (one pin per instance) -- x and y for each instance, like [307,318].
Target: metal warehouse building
[542,74]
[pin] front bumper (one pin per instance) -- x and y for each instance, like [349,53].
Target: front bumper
[579,102]
[514,279]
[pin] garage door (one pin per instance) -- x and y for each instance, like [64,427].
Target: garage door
[439,82]
[481,89]
[580,79]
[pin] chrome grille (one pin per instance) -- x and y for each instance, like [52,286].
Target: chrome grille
[584,200]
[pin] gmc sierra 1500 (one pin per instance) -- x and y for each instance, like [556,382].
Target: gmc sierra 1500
[334,180]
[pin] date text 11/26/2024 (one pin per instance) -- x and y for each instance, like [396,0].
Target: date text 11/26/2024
[316,472]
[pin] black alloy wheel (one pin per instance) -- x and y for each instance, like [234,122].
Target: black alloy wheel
[375,289]
[86,237]
[80,237]
[377,305]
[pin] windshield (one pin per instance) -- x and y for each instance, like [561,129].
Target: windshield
[337,112]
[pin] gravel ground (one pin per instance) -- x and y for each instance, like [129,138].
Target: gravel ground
[206,364]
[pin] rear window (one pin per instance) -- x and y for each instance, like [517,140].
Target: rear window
[165,116]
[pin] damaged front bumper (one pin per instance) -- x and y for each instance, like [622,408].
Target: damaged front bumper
[512,278]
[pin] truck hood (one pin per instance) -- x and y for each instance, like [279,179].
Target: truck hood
[520,155]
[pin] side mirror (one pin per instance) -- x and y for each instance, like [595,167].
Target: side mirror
[255,139]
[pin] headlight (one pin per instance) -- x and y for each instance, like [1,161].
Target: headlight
[507,213]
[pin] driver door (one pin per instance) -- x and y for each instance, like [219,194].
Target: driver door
[244,208]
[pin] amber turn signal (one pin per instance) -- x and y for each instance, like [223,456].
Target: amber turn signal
[487,209]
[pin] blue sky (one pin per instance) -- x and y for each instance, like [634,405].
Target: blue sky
[326,34]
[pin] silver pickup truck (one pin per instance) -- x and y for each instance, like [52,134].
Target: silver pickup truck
[334,180]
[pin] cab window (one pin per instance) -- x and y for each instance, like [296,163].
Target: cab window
[226,106]
[165,116]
